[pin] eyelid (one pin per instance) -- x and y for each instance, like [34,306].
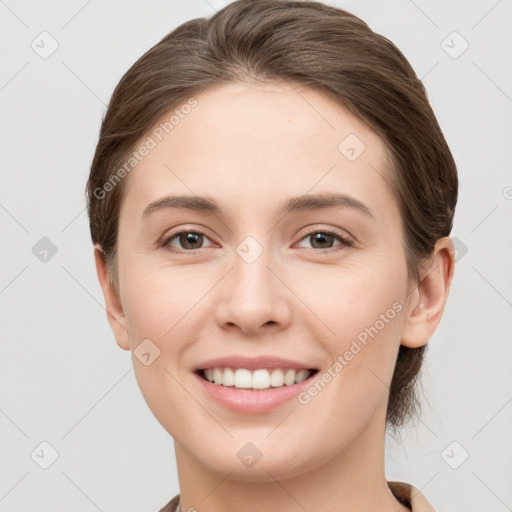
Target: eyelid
[165,240]
[345,239]
[319,228]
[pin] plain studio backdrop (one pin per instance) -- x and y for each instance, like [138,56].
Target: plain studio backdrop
[76,433]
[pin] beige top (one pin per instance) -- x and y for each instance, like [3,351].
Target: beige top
[406,494]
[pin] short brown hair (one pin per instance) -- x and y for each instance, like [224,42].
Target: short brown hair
[306,43]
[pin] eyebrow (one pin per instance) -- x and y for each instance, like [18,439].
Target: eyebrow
[207,204]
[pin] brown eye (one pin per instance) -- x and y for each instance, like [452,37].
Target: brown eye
[187,240]
[324,239]
[190,240]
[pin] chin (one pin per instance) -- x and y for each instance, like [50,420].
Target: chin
[270,466]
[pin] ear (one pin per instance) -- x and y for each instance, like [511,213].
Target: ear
[114,308]
[428,298]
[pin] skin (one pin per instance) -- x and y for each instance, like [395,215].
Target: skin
[250,147]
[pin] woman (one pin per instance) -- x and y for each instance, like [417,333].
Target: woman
[270,203]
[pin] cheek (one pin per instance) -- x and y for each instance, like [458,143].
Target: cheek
[157,305]
[360,309]
[160,301]
[348,299]
[361,313]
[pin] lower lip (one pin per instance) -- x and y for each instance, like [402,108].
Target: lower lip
[252,401]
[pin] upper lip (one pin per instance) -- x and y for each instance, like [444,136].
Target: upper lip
[252,363]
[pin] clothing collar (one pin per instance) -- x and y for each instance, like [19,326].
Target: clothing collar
[406,494]
[409,496]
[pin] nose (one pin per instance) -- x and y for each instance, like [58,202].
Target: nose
[252,297]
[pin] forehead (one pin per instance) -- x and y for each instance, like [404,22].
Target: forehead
[257,142]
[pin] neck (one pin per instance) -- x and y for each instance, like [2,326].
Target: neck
[351,480]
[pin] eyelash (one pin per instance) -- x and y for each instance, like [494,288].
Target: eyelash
[344,240]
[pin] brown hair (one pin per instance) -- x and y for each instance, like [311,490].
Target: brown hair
[307,43]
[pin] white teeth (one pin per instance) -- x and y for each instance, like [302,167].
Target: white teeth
[261,379]
[243,378]
[228,377]
[302,375]
[276,378]
[217,376]
[289,377]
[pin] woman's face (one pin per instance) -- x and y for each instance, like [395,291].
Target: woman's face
[262,281]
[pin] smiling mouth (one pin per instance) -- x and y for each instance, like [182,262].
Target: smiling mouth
[256,380]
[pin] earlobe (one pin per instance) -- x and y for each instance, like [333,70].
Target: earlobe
[115,314]
[428,299]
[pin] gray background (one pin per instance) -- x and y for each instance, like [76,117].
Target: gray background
[64,381]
